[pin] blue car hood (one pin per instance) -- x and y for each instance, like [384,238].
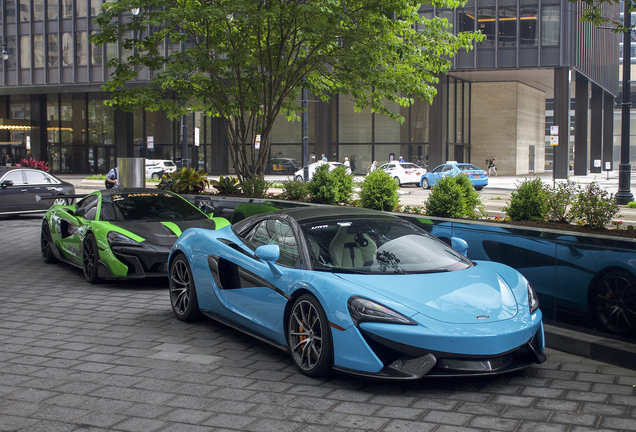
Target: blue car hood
[474,295]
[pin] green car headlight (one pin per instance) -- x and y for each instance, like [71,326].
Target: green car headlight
[115,238]
[362,309]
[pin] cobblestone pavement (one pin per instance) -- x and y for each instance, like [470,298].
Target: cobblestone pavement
[77,357]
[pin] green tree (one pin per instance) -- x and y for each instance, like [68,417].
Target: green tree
[246,61]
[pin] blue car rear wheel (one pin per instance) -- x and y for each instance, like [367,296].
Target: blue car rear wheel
[309,337]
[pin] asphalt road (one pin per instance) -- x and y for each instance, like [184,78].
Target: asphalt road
[111,357]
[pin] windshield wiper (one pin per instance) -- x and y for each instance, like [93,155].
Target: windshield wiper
[348,271]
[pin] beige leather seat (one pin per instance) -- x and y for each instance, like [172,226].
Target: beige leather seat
[346,252]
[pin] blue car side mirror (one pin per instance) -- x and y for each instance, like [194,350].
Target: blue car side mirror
[459,245]
[270,253]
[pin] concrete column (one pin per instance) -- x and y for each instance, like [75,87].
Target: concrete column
[582,104]
[596,129]
[562,120]
[608,131]
[438,120]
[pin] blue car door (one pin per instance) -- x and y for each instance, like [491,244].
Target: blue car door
[252,293]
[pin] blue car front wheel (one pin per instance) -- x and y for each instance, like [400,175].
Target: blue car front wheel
[309,337]
[183,295]
[425,184]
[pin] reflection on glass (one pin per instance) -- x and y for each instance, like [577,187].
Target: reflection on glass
[38,10]
[81,48]
[24,10]
[25,51]
[528,25]
[550,25]
[486,22]
[507,26]
[96,53]
[67,49]
[51,9]
[38,50]
[53,54]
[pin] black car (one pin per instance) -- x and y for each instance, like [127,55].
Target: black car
[21,190]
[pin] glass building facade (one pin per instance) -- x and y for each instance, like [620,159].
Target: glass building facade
[52,107]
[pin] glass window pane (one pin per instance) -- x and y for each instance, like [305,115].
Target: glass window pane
[550,25]
[51,9]
[466,19]
[508,25]
[67,8]
[81,8]
[24,10]
[10,11]
[53,50]
[419,120]
[388,130]
[96,6]
[38,10]
[487,24]
[67,49]
[96,53]
[528,25]
[354,127]
[25,51]
[101,120]
[38,51]
[111,51]
[81,48]
[285,131]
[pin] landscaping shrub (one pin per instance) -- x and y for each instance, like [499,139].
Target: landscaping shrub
[631,204]
[295,190]
[330,187]
[227,185]
[185,181]
[529,201]
[453,197]
[379,192]
[558,201]
[256,187]
[593,206]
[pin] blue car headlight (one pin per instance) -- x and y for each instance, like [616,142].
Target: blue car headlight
[362,309]
[533,300]
[115,238]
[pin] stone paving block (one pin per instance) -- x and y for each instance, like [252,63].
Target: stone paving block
[317,417]
[272,398]
[538,427]
[450,418]
[575,419]
[356,408]
[537,415]
[614,389]
[137,424]
[229,421]
[269,425]
[408,426]
[540,392]
[626,424]
[313,403]
[571,385]
[491,409]
[231,407]
[186,416]
[494,423]
[586,396]
[362,422]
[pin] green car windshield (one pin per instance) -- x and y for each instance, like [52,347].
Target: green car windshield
[147,207]
[378,246]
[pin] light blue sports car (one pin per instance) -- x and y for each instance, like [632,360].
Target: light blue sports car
[358,291]
[477,176]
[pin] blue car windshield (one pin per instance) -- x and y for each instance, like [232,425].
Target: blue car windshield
[147,206]
[378,246]
[467,167]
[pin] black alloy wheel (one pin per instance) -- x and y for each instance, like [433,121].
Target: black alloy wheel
[183,294]
[309,337]
[613,302]
[46,244]
[90,259]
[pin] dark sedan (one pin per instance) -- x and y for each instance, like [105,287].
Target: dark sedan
[21,190]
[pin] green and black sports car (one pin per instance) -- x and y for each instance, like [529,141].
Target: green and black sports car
[120,233]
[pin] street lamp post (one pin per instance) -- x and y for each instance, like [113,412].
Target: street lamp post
[624,194]
[305,129]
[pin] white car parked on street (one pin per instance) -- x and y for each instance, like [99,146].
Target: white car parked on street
[155,168]
[299,175]
[404,172]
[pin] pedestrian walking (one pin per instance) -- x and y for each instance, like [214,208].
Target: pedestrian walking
[347,163]
[492,167]
[401,159]
[324,158]
[372,167]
